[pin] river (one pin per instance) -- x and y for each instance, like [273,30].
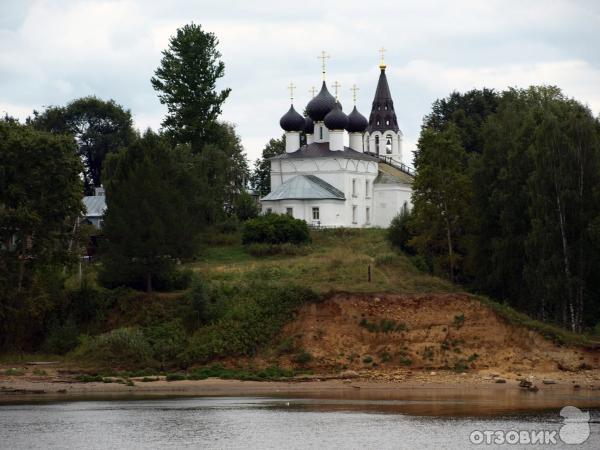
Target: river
[275,422]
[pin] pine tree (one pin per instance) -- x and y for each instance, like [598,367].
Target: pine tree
[153,215]
[186,82]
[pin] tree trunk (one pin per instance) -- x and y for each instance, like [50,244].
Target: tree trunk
[148,282]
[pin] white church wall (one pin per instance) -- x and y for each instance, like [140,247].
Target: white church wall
[332,213]
[389,199]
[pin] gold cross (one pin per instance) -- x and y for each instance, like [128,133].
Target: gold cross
[323,57]
[336,85]
[291,88]
[382,50]
[354,89]
[312,91]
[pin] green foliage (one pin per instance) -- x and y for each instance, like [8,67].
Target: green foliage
[14,372]
[122,346]
[175,377]
[399,232]
[261,176]
[458,321]
[152,216]
[218,371]
[254,316]
[461,366]
[302,358]
[62,337]
[245,206]
[186,81]
[99,128]
[89,378]
[275,229]
[40,372]
[166,341]
[367,360]
[510,206]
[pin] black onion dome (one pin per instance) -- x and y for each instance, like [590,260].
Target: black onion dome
[321,104]
[357,123]
[309,126]
[336,119]
[292,121]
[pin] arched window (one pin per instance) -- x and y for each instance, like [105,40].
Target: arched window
[388,144]
[377,144]
[387,122]
[378,123]
[321,133]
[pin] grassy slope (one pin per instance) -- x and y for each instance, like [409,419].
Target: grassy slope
[338,261]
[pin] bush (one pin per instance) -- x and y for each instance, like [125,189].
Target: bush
[399,233]
[275,229]
[166,341]
[62,338]
[303,357]
[126,346]
[252,318]
[245,206]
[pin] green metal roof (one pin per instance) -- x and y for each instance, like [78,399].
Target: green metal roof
[305,187]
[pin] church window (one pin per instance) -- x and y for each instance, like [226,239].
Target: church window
[289,211]
[354,187]
[354,214]
[321,133]
[378,122]
[387,122]
[315,213]
[368,215]
[367,192]
[269,210]
[386,107]
[377,143]
[388,144]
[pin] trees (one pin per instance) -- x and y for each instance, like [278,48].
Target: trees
[186,81]
[99,128]
[40,201]
[441,198]
[528,232]
[261,176]
[153,211]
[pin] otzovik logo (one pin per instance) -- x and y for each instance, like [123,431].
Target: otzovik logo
[575,430]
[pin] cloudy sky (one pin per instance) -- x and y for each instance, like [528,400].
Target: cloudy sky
[52,51]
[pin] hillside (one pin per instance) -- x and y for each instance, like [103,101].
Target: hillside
[402,318]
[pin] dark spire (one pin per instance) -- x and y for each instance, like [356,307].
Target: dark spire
[383,117]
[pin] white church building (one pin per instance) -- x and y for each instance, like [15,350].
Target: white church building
[328,184]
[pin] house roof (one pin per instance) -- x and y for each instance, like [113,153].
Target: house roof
[390,175]
[305,187]
[321,150]
[95,205]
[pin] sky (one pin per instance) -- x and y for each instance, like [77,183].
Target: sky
[53,51]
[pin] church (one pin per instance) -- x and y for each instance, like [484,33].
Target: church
[328,184]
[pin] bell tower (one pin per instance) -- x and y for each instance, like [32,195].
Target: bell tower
[383,136]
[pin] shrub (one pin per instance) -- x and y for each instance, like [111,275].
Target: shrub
[367,360]
[61,338]
[245,206]
[275,229]
[399,233]
[253,318]
[14,372]
[166,341]
[175,377]
[303,357]
[127,346]
[459,321]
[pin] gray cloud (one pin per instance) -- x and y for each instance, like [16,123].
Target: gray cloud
[54,51]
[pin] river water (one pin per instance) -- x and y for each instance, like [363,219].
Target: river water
[264,423]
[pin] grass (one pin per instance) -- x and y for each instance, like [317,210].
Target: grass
[338,261]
